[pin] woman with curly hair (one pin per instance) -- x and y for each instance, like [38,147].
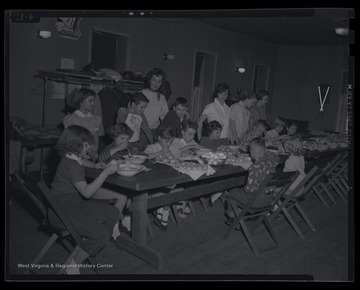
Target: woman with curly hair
[157,107]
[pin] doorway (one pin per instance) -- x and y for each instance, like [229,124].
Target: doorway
[108,50]
[261,76]
[203,83]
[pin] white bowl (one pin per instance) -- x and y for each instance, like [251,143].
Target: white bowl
[128,170]
[136,159]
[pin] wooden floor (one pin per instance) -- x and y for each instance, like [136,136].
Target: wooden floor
[197,250]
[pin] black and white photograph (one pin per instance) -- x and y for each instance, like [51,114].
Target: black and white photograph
[179,145]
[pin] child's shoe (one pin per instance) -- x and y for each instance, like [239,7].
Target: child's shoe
[187,209]
[181,213]
[127,222]
[161,224]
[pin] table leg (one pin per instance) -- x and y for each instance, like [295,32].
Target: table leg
[137,245]
[139,224]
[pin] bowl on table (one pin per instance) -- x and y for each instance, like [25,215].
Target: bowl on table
[135,159]
[128,170]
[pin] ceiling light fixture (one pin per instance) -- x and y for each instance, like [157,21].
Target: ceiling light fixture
[240,69]
[42,34]
[343,31]
[168,56]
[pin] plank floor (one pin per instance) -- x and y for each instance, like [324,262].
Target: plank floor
[197,250]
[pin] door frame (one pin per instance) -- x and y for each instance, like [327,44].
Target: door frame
[267,77]
[91,30]
[194,64]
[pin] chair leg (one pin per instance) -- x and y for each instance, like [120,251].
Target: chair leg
[304,216]
[223,200]
[234,224]
[148,227]
[292,223]
[249,237]
[319,195]
[93,261]
[331,184]
[204,204]
[324,187]
[341,188]
[45,248]
[175,214]
[342,179]
[67,244]
[271,231]
[191,205]
[68,260]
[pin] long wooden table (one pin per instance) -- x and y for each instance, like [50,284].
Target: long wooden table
[140,187]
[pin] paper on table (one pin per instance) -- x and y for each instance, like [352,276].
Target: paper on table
[196,174]
[244,165]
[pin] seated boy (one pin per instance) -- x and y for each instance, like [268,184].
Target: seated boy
[177,116]
[120,134]
[264,163]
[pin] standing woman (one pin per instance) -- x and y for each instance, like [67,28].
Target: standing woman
[240,117]
[217,111]
[157,107]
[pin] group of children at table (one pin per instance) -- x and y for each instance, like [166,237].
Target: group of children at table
[78,145]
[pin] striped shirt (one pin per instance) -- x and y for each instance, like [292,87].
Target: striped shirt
[105,155]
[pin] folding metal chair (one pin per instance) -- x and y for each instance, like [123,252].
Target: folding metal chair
[40,195]
[281,180]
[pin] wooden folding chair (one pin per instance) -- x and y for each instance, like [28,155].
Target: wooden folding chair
[288,202]
[340,178]
[281,180]
[336,178]
[40,195]
[322,186]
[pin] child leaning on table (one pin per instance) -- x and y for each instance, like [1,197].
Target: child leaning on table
[183,147]
[93,220]
[120,133]
[295,162]
[211,140]
[276,127]
[82,101]
[184,144]
[165,136]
